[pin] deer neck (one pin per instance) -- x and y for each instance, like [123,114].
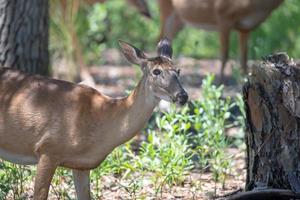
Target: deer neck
[134,111]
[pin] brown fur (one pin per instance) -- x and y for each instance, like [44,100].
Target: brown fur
[68,123]
[219,15]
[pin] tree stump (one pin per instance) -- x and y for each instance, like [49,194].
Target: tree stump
[272,103]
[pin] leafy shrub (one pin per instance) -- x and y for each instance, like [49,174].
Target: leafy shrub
[203,123]
[13,180]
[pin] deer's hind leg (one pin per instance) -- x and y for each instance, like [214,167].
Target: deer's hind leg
[224,40]
[243,39]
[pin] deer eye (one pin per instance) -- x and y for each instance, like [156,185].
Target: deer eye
[156,72]
[178,71]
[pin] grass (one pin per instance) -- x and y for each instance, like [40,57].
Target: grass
[180,142]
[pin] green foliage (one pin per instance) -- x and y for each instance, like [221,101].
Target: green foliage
[186,138]
[279,33]
[114,20]
[203,123]
[100,26]
[167,156]
[61,43]
[13,180]
[62,183]
[106,23]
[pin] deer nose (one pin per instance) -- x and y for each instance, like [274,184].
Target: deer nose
[182,97]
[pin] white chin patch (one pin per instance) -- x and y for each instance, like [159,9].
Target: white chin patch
[165,98]
[164,105]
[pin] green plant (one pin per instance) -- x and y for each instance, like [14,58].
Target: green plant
[100,26]
[203,124]
[133,187]
[13,180]
[5,181]
[61,184]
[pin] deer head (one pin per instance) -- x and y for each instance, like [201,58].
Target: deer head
[162,77]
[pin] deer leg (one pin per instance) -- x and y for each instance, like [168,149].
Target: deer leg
[82,184]
[166,9]
[171,24]
[243,39]
[45,171]
[224,38]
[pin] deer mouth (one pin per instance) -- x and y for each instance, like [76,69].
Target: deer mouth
[181,98]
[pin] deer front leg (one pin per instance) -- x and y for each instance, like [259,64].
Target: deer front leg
[82,184]
[170,22]
[172,26]
[224,39]
[243,40]
[45,171]
[166,9]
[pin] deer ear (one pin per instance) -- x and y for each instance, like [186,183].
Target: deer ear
[132,54]
[164,48]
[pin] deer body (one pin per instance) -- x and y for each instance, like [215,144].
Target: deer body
[83,146]
[219,15]
[55,123]
[237,14]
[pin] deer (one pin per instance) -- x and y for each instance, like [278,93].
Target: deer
[219,15]
[50,123]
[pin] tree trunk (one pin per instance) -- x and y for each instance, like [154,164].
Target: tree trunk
[24,35]
[272,102]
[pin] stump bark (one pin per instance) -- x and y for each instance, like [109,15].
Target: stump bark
[272,103]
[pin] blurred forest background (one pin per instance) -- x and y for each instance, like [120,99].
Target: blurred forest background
[100,26]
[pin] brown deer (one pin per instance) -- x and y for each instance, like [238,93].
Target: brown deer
[219,15]
[54,123]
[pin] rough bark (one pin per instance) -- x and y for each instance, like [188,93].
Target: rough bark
[272,101]
[24,35]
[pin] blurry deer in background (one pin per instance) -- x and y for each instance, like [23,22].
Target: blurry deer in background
[220,15]
[55,123]
[69,10]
